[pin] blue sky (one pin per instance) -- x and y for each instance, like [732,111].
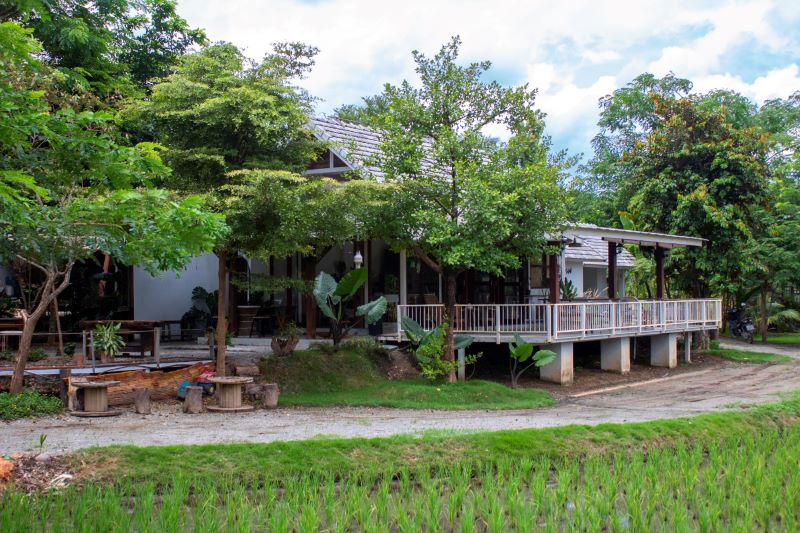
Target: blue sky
[574,52]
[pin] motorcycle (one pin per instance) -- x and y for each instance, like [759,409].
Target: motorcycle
[741,327]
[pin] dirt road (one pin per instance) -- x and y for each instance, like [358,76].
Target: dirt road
[683,395]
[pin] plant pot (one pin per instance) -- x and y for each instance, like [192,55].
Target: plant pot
[78,359]
[283,346]
[376,328]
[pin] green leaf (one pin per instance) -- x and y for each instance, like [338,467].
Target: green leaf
[544,357]
[324,286]
[522,352]
[372,311]
[412,329]
[351,282]
[462,341]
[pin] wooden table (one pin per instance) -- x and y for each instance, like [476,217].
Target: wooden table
[95,398]
[229,393]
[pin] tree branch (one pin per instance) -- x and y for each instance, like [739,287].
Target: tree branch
[425,258]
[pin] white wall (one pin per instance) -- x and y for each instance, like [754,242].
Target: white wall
[573,271]
[168,297]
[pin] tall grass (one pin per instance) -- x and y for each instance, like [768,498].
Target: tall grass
[749,483]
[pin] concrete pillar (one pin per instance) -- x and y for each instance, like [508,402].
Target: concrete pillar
[615,355]
[687,347]
[560,370]
[664,350]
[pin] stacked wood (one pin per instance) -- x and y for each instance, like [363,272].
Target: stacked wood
[162,385]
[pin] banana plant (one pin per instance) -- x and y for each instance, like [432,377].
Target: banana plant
[520,352]
[332,298]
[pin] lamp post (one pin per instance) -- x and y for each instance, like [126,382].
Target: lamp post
[358,259]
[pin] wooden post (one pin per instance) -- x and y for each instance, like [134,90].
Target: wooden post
[554,277]
[271,393]
[309,268]
[63,386]
[157,346]
[193,403]
[659,256]
[612,270]
[289,292]
[142,400]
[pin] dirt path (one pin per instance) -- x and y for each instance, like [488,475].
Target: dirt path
[683,395]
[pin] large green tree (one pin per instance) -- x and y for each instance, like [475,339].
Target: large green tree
[114,47]
[461,199]
[220,114]
[697,173]
[81,192]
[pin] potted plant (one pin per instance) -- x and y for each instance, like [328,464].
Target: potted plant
[106,341]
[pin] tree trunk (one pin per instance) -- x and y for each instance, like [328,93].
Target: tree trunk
[222,323]
[762,300]
[57,319]
[450,314]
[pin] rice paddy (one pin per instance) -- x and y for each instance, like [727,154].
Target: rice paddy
[743,483]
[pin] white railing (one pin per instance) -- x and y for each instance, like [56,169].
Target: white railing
[572,319]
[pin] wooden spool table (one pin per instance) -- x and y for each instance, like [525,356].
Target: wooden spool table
[229,393]
[95,398]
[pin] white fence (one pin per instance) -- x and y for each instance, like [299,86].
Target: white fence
[571,320]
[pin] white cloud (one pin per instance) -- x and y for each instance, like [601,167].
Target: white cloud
[553,45]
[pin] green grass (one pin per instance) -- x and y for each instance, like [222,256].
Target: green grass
[749,357]
[420,394]
[735,471]
[783,338]
[352,377]
[27,404]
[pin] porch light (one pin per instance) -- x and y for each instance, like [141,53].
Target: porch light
[358,259]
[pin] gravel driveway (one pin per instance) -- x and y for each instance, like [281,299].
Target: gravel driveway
[681,395]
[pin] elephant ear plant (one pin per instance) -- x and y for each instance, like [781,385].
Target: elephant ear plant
[429,348]
[520,352]
[332,300]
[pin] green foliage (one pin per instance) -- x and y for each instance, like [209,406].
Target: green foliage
[519,352]
[69,348]
[106,340]
[418,336]
[568,289]
[28,404]
[114,47]
[750,357]
[782,317]
[37,354]
[431,347]
[332,299]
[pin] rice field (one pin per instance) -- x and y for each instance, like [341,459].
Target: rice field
[737,484]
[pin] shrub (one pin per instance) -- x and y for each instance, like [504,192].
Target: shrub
[368,346]
[6,355]
[430,356]
[714,344]
[14,406]
[37,354]
[69,349]
[324,347]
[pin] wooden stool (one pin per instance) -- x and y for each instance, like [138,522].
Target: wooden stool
[229,393]
[95,398]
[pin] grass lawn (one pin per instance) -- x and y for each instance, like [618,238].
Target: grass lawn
[353,377]
[726,471]
[783,338]
[749,357]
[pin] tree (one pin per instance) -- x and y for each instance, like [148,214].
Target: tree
[699,174]
[627,117]
[84,193]
[115,47]
[464,200]
[219,114]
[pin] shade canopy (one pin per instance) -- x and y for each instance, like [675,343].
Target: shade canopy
[642,238]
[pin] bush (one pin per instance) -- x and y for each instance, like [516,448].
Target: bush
[714,344]
[368,346]
[14,406]
[37,354]
[326,348]
[7,355]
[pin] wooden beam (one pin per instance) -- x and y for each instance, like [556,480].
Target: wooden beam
[659,255]
[554,279]
[309,270]
[612,271]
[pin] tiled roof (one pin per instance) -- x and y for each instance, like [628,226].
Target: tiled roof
[358,145]
[595,250]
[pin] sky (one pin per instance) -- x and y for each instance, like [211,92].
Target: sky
[573,52]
